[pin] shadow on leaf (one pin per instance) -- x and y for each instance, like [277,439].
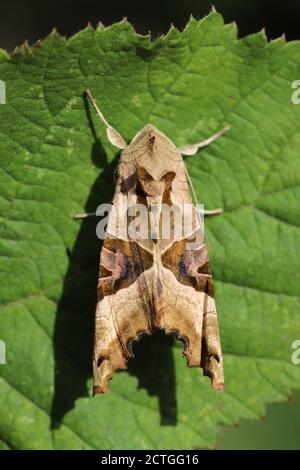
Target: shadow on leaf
[153,365]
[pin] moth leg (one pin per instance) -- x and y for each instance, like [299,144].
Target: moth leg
[210,212]
[84,215]
[113,135]
[192,149]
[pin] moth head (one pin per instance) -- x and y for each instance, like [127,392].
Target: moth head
[153,187]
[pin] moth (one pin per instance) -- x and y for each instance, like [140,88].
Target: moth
[154,282]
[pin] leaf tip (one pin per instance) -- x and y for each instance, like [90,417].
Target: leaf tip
[213,15]
[100,26]
[263,33]
[37,44]
[4,54]
[233,27]
[55,34]
[283,37]
[25,45]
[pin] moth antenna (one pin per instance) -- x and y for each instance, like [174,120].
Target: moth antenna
[192,149]
[194,197]
[113,135]
[191,186]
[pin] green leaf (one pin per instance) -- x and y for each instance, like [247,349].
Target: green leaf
[56,161]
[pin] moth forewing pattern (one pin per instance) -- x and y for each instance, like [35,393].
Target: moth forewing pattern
[154,282]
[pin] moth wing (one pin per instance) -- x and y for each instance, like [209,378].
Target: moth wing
[189,310]
[123,308]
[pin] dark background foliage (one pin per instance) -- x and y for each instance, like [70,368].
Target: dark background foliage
[34,19]
[31,20]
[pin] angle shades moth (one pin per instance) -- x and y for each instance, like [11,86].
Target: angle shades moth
[155,281]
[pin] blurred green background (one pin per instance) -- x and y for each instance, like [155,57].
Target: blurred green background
[278,429]
[34,19]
